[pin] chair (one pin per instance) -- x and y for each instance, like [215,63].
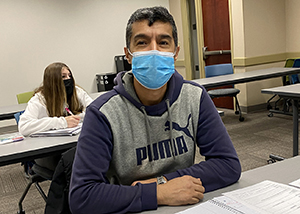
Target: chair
[285,81]
[295,78]
[40,174]
[223,69]
[292,79]
[288,64]
[17,116]
[24,97]
[122,63]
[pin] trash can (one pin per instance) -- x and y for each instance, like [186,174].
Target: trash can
[105,82]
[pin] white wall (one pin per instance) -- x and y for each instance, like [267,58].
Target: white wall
[264,25]
[259,29]
[292,26]
[84,34]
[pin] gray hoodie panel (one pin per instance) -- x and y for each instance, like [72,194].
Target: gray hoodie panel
[144,143]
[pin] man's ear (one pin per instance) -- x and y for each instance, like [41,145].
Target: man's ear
[128,55]
[176,53]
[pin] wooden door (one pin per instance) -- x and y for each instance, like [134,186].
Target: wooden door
[216,33]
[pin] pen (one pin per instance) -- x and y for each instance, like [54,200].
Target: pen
[68,110]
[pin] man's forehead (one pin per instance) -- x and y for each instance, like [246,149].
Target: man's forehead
[142,27]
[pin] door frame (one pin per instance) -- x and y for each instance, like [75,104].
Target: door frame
[185,14]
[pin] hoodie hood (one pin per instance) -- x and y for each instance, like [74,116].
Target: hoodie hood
[172,93]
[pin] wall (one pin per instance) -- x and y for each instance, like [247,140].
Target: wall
[84,34]
[175,10]
[262,34]
[292,29]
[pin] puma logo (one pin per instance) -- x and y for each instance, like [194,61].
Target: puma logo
[178,128]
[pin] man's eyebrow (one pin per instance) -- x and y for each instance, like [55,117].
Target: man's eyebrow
[165,36]
[140,36]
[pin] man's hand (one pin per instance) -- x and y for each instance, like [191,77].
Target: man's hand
[72,120]
[180,191]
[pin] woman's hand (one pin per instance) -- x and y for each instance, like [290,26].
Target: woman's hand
[72,120]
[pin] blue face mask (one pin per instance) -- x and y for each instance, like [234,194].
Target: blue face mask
[153,69]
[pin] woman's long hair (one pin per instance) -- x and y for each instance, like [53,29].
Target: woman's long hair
[54,91]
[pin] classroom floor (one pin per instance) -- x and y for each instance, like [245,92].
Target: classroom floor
[254,139]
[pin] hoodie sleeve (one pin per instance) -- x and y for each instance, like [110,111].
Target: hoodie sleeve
[221,166]
[36,119]
[90,190]
[84,99]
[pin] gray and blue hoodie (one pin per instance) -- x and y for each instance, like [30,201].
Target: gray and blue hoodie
[123,141]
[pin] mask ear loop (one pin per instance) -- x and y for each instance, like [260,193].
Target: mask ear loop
[129,52]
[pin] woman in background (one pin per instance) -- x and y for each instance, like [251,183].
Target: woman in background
[48,108]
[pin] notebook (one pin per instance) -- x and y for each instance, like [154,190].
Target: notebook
[59,132]
[220,205]
[11,137]
[266,197]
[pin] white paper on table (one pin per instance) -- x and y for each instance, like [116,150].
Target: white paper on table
[269,197]
[295,183]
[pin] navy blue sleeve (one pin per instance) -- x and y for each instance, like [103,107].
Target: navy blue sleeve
[221,166]
[90,191]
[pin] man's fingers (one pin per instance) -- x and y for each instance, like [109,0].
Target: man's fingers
[197,181]
[199,188]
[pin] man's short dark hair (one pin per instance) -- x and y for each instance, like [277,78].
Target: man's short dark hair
[152,14]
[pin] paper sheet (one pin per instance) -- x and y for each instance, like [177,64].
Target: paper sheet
[269,197]
[220,205]
[295,183]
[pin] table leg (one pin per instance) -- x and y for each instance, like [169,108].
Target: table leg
[295,127]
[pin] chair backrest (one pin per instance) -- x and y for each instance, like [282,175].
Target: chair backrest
[295,77]
[296,63]
[219,69]
[289,63]
[17,116]
[24,97]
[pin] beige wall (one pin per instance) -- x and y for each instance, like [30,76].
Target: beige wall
[175,10]
[85,34]
[292,26]
[263,37]
[264,27]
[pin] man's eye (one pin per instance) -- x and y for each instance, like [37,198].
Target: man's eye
[141,43]
[164,43]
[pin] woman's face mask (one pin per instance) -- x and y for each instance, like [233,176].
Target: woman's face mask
[152,69]
[69,87]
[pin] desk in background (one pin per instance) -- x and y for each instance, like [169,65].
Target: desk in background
[245,77]
[7,112]
[283,172]
[32,148]
[290,92]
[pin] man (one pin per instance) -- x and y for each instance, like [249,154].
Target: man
[137,146]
